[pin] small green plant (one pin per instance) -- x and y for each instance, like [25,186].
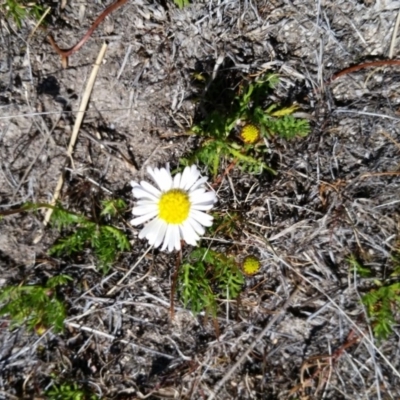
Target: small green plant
[21,9]
[69,391]
[36,306]
[383,300]
[358,267]
[105,240]
[381,303]
[207,276]
[182,3]
[246,112]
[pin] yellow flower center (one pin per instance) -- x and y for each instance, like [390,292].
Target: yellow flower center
[251,265]
[250,134]
[174,206]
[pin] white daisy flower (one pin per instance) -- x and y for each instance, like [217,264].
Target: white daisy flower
[174,209]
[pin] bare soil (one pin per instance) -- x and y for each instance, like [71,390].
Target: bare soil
[336,193]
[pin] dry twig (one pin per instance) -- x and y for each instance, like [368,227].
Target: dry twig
[77,125]
[358,67]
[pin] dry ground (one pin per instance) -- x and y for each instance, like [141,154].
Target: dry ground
[330,199]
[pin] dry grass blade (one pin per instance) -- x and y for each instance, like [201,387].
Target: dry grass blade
[77,125]
[394,36]
[38,23]
[116,287]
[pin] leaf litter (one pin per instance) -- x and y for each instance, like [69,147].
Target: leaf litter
[335,194]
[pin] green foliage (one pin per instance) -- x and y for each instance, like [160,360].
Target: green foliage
[382,301]
[207,276]
[358,267]
[63,219]
[380,304]
[105,240]
[112,208]
[247,107]
[21,9]
[36,306]
[195,289]
[212,152]
[69,391]
[182,3]
[227,223]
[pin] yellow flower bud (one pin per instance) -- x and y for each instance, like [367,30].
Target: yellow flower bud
[251,265]
[250,134]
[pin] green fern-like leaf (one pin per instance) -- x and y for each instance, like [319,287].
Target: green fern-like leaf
[105,240]
[195,289]
[288,127]
[36,306]
[381,304]
[106,244]
[19,10]
[249,163]
[247,107]
[69,391]
[358,267]
[58,280]
[204,270]
[228,275]
[112,208]
[75,242]
[63,219]
[254,94]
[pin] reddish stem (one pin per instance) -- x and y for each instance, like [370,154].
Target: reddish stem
[357,67]
[66,53]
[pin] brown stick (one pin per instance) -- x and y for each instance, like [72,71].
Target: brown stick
[66,53]
[355,68]
[77,125]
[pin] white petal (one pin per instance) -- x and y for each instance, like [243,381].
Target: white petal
[199,183]
[155,233]
[145,209]
[176,242]
[160,234]
[205,198]
[154,173]
[193,194]
[202,218]
[188,234]
[198,228]
[185,177]
[145,203]
[167,238]
[134,184]
[150,188]
[148,231]
[143,218]
[140,193]
[177,180]
[165,181]
[193,176]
